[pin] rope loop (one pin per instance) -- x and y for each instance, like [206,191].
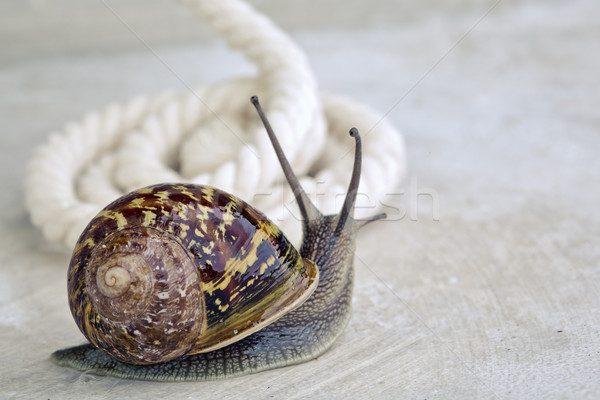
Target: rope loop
[211,135]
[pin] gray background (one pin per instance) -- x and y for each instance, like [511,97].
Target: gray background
[496,298]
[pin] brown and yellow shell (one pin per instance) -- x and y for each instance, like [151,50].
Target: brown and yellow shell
[169,270]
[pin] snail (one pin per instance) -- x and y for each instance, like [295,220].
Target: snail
[177,282]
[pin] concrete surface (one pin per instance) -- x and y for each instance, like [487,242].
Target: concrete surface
[485,284]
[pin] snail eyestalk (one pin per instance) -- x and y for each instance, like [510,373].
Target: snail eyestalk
[348,206]
[307,208]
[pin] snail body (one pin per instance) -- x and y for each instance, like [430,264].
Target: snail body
[244,300]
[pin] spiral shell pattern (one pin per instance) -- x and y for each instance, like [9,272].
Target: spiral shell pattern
[145,299]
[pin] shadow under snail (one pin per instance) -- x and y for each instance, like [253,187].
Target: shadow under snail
[177,282]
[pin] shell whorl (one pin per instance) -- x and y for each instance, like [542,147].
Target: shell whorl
[145,302]
[113,280]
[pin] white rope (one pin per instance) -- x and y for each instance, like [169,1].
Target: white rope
[212,135]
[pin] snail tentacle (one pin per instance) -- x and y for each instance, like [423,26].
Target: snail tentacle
[308,210]
[348,206]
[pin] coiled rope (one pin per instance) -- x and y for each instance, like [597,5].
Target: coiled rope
[211,135]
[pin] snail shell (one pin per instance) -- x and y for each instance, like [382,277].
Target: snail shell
[170,270]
